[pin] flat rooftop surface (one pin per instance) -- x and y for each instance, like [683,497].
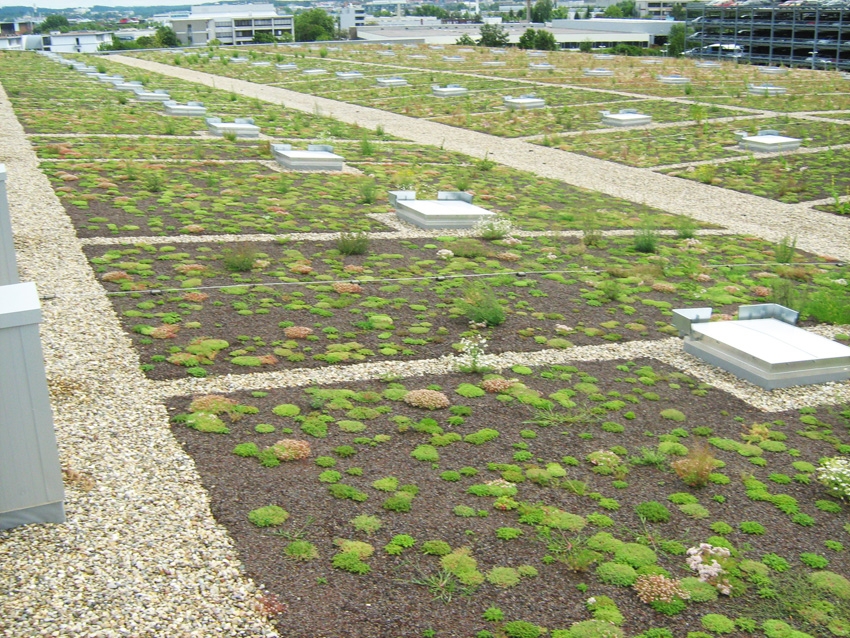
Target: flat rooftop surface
[772,341]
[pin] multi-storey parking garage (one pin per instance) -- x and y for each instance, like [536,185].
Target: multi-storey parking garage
[815,35]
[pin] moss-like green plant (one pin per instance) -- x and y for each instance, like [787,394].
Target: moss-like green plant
[482,436]
[673,415]
[493,614]
[635,555]
[398,502]
[426,453]
[246,449]
[751,527]
[590,629]
[351,562]
[604,542]
[617,574]
[520,629]
[700,591]
[301,550]
[718,623]
[775,562]
[366,523]
[343,491]
[815,561]
[268,516]
[508,533]
[653,511]
[330,476]
[286,410]
[503,577]
[470,391]
[436,548]
[388,484]
[835,584]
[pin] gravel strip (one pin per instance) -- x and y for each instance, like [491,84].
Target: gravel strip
[747,214]
[668,351]
[750,154]
[401,230]
[140,553]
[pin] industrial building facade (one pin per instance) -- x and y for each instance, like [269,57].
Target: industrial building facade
[814,35]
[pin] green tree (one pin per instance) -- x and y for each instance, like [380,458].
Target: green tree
[545,41]
[678,12]
[542,11]
[465,40]
[314,24]
[145,42]
[676,40]
[526,40]
[431,10]
[561,13]
[263,37]
[53,23]
[586,46]
[165,38]
[588,13]
[613,11]
[493,35]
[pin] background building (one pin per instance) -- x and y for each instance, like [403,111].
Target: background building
[231,23]
[352,15]
[76,41]
[816,35]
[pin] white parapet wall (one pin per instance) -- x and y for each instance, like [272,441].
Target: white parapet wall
[31,489]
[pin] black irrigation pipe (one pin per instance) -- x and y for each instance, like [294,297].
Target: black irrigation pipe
[519,274]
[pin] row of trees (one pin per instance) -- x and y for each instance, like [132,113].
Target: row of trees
[495,35]
[165,38]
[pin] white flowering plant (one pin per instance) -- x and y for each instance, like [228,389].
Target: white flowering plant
[472,357]
[834,473]
[702,560]
[496,227]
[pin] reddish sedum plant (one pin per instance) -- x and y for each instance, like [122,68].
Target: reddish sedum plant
[195,297]
[494,386]
[167,331]
[116,275]
[427,399]
[343,286]
[212,404]
[297,332]
[291,450]
[301,269]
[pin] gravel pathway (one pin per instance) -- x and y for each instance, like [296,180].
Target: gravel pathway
[140,553]
[815,231]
